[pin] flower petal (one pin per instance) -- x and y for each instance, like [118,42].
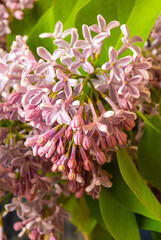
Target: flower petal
[43,53]
[101,22]
[125,30]
[88,67]
[113,55]
[87,33]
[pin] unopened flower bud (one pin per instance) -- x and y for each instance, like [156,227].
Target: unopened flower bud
[101,158]
[111,141]
[128,125]
[121,137]
[77,123]
[87,143]
[17,226]
[68,133]
[78,138]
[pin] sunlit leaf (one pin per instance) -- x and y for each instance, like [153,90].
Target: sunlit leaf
[137,184]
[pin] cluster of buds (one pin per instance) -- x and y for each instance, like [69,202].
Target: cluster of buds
[11,8]
[82,111]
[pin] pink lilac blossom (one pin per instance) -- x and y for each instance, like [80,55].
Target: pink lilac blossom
[72,125]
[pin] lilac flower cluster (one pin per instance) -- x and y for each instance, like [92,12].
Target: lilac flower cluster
[11,8]
[81,111]
[41,217]
[24,176]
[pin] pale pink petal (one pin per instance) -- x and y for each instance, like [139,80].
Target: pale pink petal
[135,80]
[135,49]
[64,118]
[89,129]
[51,117]
[67,90]
[86,33]
[42,67]
[43,53]
[77,89]
[124,61]
[102,87]
[113,55]
[46,107]
[106,66]
[98,38]
[77,53]
[101,127]
[87,52]
[58,53]
[108,114]
[81,44]
[75,65]
[62,43]
[95,28]
[143,65]
[125,30]
[122,90]
[101,22]
[133,91]
[135,39]
[112,25]
[117,71]
[58,28]
[88,67]
[46,35]
[74,37]
[67,32]
[72,82]
[36,99]
[60,75]
[58,86]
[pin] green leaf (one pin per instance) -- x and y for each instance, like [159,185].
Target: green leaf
[45,24]
[156,236]
[99,233]
[31,16]
[130,12]
[59,11]
[120,222]
[149,151]
[81,216]
[137,184]
[94,207]
[148,224]
[123,194]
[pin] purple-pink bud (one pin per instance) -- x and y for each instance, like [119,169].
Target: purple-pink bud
[101,158]
[77,123]
[55,158]
[121,137]
[18,14]
[87,143]
[33,235]
[129,124]
[68,133]
[78,138]
[111,141]
[17,226]
[13,98]
[80,193]
[125,104]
